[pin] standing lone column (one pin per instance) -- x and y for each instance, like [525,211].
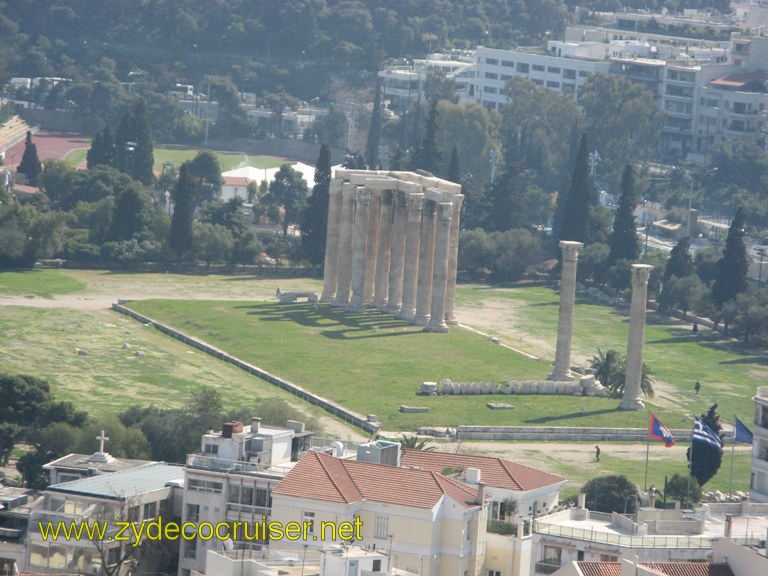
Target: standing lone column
[330,269]
[344,251]
[384,253]
[440,269]
[397,261]
[453,262]
[359,242]
[426,263]
[634,365]
[412,243]
[562,369]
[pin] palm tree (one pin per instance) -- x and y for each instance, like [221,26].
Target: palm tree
[610,369]
[415,443]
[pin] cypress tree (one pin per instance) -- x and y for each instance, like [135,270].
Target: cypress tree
[135,150]
[314,225]
[429,155]
[580,198]
[731,277]
[623,241]
[454,168]
[680,263]
[180,238]
[30,164]
[102,150]
[374,131]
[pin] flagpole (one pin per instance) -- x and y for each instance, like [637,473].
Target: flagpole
[733,448]
[647,450]
[690,464]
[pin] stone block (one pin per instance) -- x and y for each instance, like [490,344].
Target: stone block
[428,387]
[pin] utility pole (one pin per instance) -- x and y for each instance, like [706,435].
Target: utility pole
[207,111]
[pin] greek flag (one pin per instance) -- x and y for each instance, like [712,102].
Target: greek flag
[703,433]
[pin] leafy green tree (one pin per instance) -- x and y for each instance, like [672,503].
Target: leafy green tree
[206,170]
[581,197]
[613,493]
[683,293]
[289,190]
[705,460]
[623,241]
[314,226]
[732,271]
[622,121]
[132,213]
[680,263]
[683,489]
[748,314]
[56,180]
[212,243]
[515,251]
[30,164]
[181,235]
[476,252]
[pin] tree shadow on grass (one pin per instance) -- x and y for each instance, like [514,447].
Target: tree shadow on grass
[758,360]
[578,414]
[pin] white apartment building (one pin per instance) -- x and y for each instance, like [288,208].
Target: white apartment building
[232,478]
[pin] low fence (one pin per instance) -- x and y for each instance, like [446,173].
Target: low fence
[327,405]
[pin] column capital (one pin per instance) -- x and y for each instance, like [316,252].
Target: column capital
[570,249]
[415,201]
[445,210]
[363,195]
[641,273]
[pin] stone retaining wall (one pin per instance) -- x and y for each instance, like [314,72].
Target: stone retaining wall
[327,405]
[561,434]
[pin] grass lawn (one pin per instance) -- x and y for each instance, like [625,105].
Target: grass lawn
[228,160]
[729,371]
[42,342]
[38,283]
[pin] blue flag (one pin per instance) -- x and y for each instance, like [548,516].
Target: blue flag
[741,433]
[703,433]
[657,431]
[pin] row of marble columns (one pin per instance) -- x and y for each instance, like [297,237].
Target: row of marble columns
[631,399]
[392,244]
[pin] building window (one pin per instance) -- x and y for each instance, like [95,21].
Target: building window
[553,555]
[492,75]
[150,510]
[190,549]
[507,64]
[569,74]
[381,527]
[193,512]
[211,448]
[494,572]
[376,567]
[608,558]
[195,485]
[113,556]
[522,67]
[551,84]
[490,90]
[308,518]
[506,77]
[553,70]
[538,68]
[583,73]
[133,514]
[492,61]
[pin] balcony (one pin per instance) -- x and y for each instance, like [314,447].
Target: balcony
[546,567]
[223,465]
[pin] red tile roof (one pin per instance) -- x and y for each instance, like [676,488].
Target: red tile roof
[235,181]
[661,568]
[321,477]
[599,568]
[494,472]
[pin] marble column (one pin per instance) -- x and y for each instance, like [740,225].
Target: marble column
[372,246]
[330,269]
[631,400]
[359,242]
[426,263]
[440,269]
[411,266]
[344,252]
[453,259]
[397,260]
[384,254]
[562,369]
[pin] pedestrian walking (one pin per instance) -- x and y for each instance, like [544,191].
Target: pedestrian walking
[597,453]
[697,387]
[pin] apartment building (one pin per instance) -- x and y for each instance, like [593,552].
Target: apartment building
[759,482]
[136,494]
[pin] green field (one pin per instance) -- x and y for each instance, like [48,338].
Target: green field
[228,160]
[341,357]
